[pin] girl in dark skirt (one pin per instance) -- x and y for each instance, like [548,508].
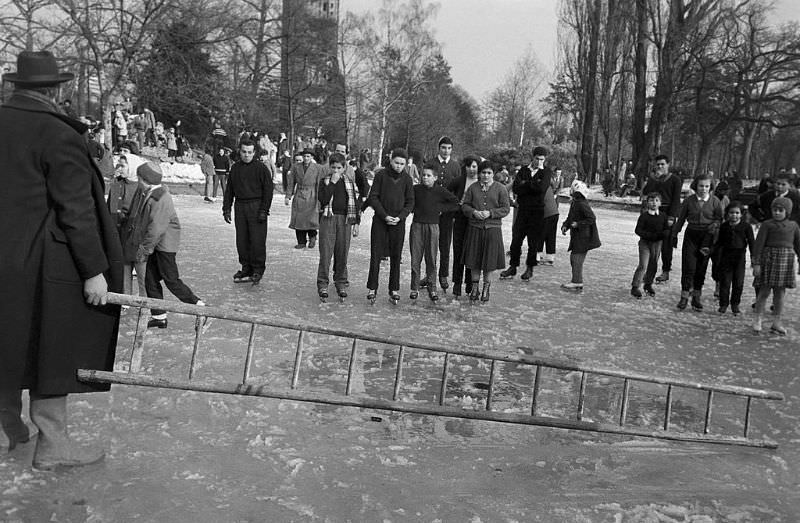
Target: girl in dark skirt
[485,205]
[773,261]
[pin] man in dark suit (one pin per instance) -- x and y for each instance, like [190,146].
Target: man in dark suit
[61,255]
[448,170]
[530,186]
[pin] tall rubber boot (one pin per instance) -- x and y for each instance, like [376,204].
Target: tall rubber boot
[54,447]
[14,428]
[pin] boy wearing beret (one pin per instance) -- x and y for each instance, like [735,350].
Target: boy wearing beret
[152,239]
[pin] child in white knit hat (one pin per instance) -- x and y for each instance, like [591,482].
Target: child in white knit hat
[581,224]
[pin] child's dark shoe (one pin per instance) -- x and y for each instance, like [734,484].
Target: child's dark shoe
[157,323]
[722,309]
[414,295]
[456,289]
[649,290]
[697,305]
[636,293]
[509,273]
[735,310]
[683,303]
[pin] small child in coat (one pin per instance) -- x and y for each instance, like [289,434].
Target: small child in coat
[582,227]
[734,238]
[430,201]
[651,228]
[152,238]
[773,261]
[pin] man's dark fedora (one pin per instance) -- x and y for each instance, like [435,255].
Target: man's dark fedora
[37,69]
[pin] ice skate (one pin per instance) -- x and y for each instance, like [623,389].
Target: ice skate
[241,277]
[342,295]
[572,287]
[413,295]
[649,290]
[528,274]
[432,295]
[255,278]
[508,273]
[371,295]
[663,277]
[635,292]
[394,297]
[323,295]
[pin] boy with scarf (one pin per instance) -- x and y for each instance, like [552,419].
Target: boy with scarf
[339,201]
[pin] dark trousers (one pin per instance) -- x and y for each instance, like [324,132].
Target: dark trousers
[251,237]
[162,266]
[445,238]
[334,242]
[529,224]
[694,263]
[666,247]
[304,235]
[547,241]
[731,271]
[460,225]
[385,239]
[648,262]
[424,243]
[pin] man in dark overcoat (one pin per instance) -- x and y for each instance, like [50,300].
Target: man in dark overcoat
[60,256]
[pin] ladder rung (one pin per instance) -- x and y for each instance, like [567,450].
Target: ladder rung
[536,386]
[668,407]
[747,416]
[623,409]
[297,357]
[443,389]
[198,332]
[490,392]
[707,422]
[135,362]
[398,374]
[581,396]
[350,368]
[248,361]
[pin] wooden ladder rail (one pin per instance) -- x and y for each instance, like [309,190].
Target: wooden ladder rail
[538,363]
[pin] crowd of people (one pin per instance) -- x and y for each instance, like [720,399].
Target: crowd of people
[68,242]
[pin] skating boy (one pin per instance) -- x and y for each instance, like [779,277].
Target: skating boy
[430,202]
[339,201]
[392,198]
[153,214]
[652,228]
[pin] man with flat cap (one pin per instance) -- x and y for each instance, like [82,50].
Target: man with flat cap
[61,255]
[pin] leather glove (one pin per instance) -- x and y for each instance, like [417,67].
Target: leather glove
[262,216]
[227,217]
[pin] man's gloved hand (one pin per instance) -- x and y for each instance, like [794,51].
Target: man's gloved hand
[262,216]
[227,217]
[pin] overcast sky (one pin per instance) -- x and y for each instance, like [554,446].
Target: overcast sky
[482,39]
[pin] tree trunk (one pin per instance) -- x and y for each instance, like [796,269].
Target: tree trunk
[587,142]
[639,153]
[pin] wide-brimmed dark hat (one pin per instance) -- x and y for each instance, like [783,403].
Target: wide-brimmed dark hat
[37,69]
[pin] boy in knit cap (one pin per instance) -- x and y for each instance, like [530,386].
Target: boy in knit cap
[153,234]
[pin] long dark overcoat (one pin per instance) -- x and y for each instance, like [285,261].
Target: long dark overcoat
[55,232]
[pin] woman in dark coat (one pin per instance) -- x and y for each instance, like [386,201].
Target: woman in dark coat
[469,175]
[60,251]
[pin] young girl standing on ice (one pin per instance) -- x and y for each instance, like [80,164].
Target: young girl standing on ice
[582,227]
[773,261]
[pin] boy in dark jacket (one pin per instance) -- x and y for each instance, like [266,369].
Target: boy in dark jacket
[392,198]
[652,228]
[735,237]
[430,202]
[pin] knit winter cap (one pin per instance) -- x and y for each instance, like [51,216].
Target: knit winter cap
[781,201]
[579,186]
[539,151]
[150,173]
